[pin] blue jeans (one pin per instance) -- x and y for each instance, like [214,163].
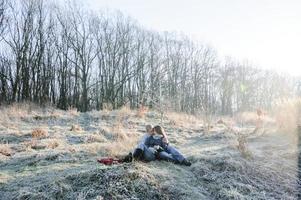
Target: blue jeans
[149,153]
[171,154]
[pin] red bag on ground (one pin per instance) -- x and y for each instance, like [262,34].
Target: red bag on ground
[109,161]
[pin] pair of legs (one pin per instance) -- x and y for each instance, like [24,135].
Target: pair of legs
[145,153]
[170,154]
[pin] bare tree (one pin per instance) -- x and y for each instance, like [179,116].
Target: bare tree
[3,8]
[59,54]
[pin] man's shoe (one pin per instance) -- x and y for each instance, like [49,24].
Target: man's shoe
[128,158]
[186,162]
[138,154]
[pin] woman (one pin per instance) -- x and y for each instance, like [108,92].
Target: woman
[164,151]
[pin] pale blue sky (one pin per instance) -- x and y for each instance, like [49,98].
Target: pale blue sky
[267,32]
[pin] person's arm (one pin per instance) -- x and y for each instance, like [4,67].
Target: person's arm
[144,139]
[165,139]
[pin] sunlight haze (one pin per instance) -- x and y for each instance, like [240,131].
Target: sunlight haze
[150,99]
[265,32]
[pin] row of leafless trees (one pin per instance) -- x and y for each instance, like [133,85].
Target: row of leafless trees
[65,55]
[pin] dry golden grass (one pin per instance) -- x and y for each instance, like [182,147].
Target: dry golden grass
[183,119]
[6,150]
[209,155]
[96,113]
[24,111]
[259,118]
[117,148]
[35,144]
[47,116]
[71,149]
[114,140]
[18,110]
[220,121]
[118,133]
[123,113]
[9,125]
[56,114]
[142,110]
[247,118]
[242,146]
[287,115]
[39,133]
[73,111]
[92,148]
[95,138]
[29,144]
[115,132]
[4,119]
[53,143]
[241,138]
[122,141]
[107,107]
[76,128]
[49,143]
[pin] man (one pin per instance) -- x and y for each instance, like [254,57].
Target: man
[143,152]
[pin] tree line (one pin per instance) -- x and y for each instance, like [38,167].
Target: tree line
[68,56]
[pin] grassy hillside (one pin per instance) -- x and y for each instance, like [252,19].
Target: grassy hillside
[51,154]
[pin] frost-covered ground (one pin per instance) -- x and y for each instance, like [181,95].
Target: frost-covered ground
[60,161]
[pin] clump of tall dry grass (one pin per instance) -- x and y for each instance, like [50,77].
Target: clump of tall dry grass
[182,119]
[115,132]
[10,116]
[33,144]
[95,138]
[6,150]
[241,138]
[4,119]
[73,111]
[141,111]
[39,133]
[287,115]
[50,143]
[27,111]
[121,146]
[53,143]
[118,131]
[107,107]
[120,140]
[242,146]
[123,113]
[92,148]
[16,110]
[76,128]
[248,118]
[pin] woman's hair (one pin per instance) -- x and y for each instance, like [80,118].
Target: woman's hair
[159,130]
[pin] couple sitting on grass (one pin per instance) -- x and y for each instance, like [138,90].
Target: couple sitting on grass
[154,145]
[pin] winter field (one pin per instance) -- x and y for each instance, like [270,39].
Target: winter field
[47,153]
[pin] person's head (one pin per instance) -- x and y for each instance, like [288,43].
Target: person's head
[159,130]
[149,129]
